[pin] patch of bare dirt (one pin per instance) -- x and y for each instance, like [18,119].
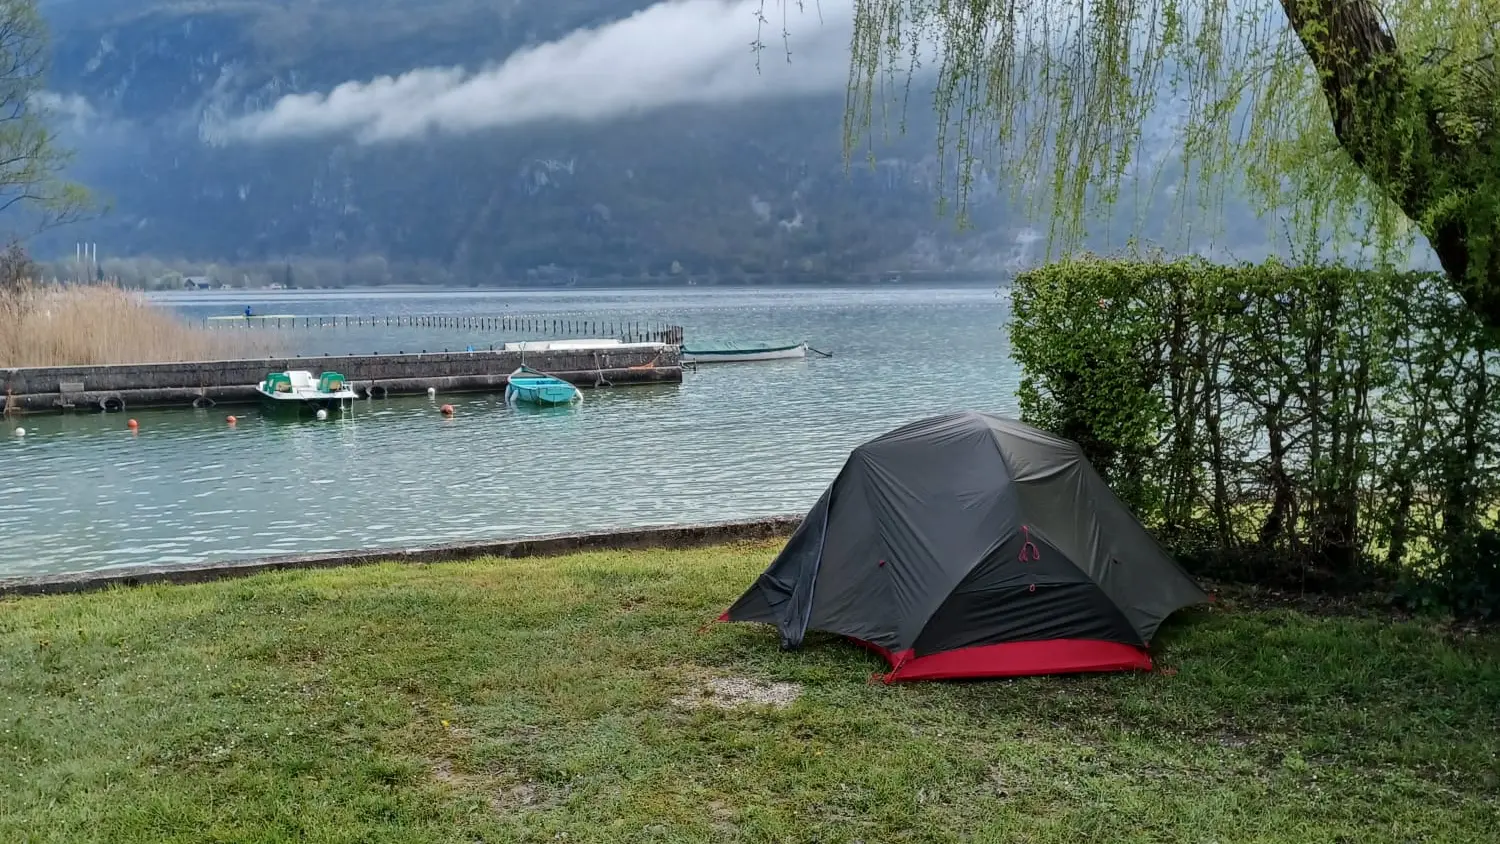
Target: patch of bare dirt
[502,793]
[739,692]
[722,816]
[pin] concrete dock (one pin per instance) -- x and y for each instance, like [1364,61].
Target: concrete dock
[208,383]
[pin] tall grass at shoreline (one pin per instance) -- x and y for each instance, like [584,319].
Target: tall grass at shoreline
[82,326]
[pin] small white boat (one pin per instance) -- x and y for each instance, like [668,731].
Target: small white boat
[742,352]
[296,391]
[601,344]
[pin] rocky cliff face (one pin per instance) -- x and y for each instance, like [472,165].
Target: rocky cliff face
[147,88]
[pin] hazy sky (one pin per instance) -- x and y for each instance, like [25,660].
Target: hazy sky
[674,53]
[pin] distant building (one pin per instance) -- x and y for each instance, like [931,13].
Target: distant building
[197,282]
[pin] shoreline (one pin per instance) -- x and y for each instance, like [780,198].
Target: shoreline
[691,535]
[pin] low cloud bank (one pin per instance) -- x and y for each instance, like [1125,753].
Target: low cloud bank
[686,52]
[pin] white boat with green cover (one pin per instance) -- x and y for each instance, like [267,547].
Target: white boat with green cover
[740,352]
[295,391]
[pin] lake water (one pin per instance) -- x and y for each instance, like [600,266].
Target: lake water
[734,440]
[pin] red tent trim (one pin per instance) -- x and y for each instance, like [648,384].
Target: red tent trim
[1014,659]
[1010,659]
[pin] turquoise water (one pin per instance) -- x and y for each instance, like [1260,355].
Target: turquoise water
[734,440]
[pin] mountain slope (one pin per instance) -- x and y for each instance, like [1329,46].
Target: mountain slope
[749,187]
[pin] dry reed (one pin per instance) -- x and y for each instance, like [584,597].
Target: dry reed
[82,326]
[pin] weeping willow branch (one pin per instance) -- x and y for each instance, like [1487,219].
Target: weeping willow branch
[31,159]
[1349,116]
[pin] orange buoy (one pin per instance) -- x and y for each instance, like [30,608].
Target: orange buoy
[231,420]
[447,410]
[132,424]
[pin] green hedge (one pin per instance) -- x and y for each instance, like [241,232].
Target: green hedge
[1318,425]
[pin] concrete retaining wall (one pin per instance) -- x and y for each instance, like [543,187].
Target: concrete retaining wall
[685,536]
[233,381]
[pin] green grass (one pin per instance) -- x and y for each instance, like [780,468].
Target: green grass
[532,700]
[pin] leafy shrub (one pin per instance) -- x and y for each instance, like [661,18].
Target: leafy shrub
[1316,425]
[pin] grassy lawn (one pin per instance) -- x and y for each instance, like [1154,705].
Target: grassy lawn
[564,699]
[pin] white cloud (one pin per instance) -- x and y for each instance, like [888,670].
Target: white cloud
[681,52]
[71,107]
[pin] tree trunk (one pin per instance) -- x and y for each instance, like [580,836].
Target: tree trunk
[1390,123]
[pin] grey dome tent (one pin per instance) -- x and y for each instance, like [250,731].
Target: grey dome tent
[971,545]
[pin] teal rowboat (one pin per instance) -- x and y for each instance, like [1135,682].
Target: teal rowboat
[532,387]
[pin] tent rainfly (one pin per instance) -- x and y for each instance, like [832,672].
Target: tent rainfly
[972,545]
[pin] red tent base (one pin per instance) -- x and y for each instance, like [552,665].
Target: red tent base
[1010,659]
[1015,659]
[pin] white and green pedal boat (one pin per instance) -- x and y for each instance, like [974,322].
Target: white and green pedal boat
[294,392]
[743,352]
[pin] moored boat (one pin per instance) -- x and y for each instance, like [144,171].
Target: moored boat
[602,344]
[743,352]
[532,387]
[296,391]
